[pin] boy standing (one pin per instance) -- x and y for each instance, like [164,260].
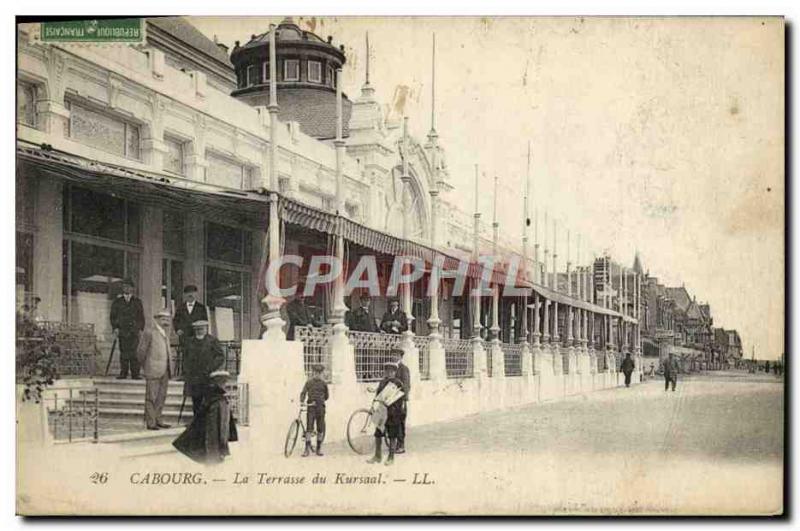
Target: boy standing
[389,398]
[317,392]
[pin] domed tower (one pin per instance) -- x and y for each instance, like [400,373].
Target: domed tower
[306,73]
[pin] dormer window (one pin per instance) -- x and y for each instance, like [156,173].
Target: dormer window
[315,72]
[291,70]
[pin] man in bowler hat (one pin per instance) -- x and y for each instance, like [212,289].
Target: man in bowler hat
[127,323]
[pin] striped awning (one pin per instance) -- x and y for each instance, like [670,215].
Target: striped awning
[562,298]
[146,188]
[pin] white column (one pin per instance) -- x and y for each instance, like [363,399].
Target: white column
[272,321]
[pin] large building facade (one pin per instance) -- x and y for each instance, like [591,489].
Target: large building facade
[155,163]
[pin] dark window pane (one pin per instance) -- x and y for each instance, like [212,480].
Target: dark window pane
[174,238]
[134,223]
[96,272]
[97,214]
[224,243]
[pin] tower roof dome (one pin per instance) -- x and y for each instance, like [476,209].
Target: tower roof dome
[305,77]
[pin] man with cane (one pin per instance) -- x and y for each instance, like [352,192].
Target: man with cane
[127,323]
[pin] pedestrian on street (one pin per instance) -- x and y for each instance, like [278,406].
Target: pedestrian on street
[316,390]
[154,356]
[404,375]
[202,356]
[670,372]
[394,321]
[627,368]
[127,323]
[187,313]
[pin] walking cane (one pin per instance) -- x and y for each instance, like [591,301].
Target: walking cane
[111,356]
[180,413]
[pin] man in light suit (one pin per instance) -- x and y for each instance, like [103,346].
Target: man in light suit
[154,355]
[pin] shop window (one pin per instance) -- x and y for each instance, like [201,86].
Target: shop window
[101,215]
[228,244]
[103,131]
[291,70]
[174,236]
[26,103]
[173,158]
[92,279]
[315,72]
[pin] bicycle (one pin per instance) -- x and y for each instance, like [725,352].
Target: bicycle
[361,430]
[295,428]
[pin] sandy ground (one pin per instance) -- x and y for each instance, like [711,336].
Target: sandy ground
[715,446]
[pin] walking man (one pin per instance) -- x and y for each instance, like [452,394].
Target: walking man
[202,355]
[627,368]
[670,372]
[404,376]
[154,355]
[127,323]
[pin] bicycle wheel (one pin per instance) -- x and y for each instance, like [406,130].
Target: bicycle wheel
[291,438]
[361,431]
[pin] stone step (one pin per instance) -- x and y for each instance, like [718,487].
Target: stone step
[169,415]
[135,402]
[135,394]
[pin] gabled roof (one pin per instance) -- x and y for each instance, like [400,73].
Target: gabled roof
[193,37]
[680,296]
[693,311]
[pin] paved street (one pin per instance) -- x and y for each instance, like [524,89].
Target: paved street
[714,446]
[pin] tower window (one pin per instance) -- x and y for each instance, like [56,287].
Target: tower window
[331,76]
[252,77]
[315,72]
[291,70]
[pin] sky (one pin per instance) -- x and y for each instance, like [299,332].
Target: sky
[658,135]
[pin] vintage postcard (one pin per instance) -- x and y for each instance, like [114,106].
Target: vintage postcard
[300,265]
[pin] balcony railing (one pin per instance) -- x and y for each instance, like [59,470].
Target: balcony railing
[423,344]
[458,358]
[316,347]
[372,350]
[512,353]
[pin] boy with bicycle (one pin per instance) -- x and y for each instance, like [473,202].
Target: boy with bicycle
[317,392]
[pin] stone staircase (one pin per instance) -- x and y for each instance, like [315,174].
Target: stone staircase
[121,416]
